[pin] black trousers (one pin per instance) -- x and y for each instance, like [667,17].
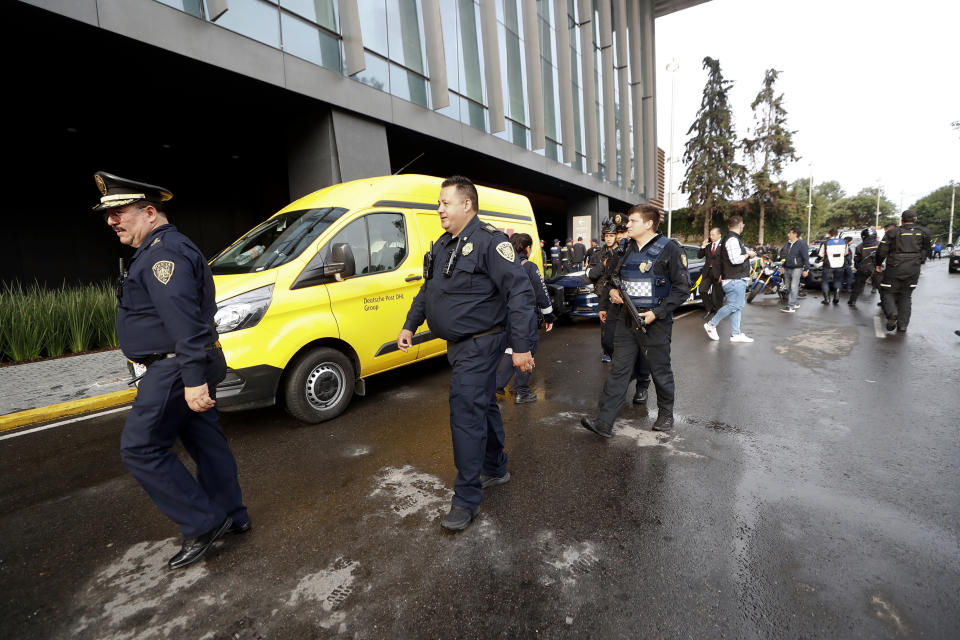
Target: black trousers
[654,345]
[896,293]
[641,369]
[860,281]
[831,278]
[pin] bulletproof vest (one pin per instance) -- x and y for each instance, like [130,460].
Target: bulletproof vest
[732,271]
[554,252]
[645,288]
[834,252]
[867,257]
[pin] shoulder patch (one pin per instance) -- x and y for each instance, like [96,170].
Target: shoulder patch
[683,258]
[505,249]
[489,228]
[163,270]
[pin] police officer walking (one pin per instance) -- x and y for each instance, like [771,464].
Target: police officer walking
[904,249]
[474,286]
[653,273]
[555,259]
[165,314]
[834,254]
[864,261]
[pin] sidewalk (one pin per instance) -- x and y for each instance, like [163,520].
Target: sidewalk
[41,391]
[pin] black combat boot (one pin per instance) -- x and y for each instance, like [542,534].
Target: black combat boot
[599,427]
[664,421]
[640,397]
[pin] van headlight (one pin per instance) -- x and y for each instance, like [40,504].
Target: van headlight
[243,311]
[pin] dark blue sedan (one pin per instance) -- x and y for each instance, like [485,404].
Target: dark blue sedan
[573,293]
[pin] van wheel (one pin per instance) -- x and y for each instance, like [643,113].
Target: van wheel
[319,386]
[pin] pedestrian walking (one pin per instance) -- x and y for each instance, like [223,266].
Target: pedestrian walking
[609,313]
[653,272]
[579,254]
[848,269]
[735,275]
[864,263]
[543,314]
[796,264]
[937,249]
[566,257]
[711,291]
[165,320]
[474,287]
[903,249]
[833,252]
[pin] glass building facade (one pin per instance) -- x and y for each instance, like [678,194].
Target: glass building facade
[395,60]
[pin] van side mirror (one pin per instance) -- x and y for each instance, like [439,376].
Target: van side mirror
[341,265]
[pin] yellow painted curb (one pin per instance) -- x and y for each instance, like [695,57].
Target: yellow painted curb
[65,409]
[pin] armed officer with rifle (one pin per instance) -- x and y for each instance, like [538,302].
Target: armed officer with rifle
[650,281]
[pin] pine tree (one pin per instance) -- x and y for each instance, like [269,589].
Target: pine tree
[770,148]
[713,174]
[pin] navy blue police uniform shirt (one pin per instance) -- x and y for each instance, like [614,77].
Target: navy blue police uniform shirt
[167,304]
[670,264]
[484,290]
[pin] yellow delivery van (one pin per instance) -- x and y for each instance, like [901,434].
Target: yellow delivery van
[310,302]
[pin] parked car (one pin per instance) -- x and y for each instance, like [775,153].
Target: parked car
[574,296]
[954,264]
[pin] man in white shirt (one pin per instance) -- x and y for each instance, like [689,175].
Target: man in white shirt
[736,274]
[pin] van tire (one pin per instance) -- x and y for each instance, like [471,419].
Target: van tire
[319,385]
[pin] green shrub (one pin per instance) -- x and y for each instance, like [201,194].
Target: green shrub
[36,322]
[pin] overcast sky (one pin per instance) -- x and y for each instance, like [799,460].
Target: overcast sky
[870,87]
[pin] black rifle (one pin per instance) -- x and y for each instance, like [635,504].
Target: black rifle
[637,318]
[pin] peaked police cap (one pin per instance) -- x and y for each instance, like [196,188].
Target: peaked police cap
[118,192]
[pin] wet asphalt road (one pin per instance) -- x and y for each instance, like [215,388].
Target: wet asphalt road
[810,490]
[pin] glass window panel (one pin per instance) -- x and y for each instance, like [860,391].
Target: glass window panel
[451,45]
[388,241]
[452,110]
[471,78]
[405,33]
[323,12]
[377,73]
[521,135]
[552,150]
[187,6]
[373,24]
[473,114]
[306,41]
[255,19]
[409,86]
[515,75]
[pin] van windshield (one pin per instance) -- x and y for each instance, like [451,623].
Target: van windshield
[275,242]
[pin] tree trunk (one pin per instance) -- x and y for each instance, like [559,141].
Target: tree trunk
[760,230]
[707,214]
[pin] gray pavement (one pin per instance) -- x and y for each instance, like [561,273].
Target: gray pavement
[808,491]
[40,384]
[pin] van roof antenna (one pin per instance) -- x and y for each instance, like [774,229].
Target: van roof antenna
[408,164]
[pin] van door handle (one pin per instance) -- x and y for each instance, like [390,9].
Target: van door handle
[412,278]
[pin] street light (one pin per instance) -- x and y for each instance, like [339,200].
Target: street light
[809,200]
[672,68]
[877,223]
[953,199]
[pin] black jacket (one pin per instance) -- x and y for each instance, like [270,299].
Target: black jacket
[795,255]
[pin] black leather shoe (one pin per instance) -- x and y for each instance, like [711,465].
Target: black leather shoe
[457,519]
[493,481]
[640,397]
[523,398]
[824,301]
[836,301]
[901,329]
[236,528]
[852,303]
[597,426]
[892,322]
[194,548]
[663,422]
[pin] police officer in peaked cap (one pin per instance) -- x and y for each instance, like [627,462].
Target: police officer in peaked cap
[474,287]
[165,326]
[653,273]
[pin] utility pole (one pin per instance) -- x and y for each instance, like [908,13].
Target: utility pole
[877,223]
[809,201]
[953,199]
[672,68]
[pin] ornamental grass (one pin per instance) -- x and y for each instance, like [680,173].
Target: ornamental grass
[37,322]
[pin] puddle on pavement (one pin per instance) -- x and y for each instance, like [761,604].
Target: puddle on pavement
[812,348]
[411,492]
[357,451]
[643,437]
[134,596]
